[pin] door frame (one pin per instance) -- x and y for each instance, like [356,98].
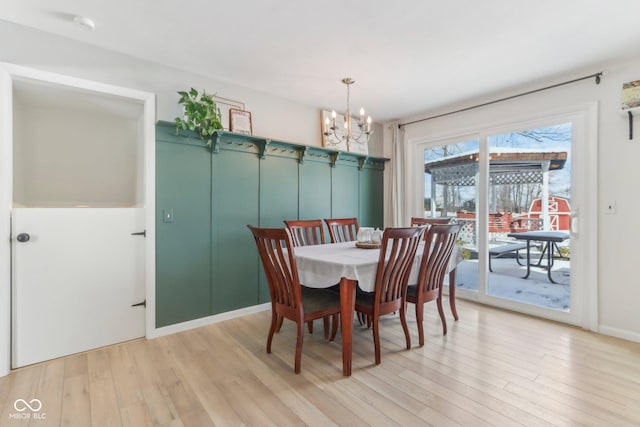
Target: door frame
[9,72]
[584,117]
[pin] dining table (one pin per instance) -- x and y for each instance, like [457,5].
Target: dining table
[549,240]
[323,266]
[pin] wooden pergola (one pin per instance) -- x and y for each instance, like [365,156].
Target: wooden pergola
[506,166]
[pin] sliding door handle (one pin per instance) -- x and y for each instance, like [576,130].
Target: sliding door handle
[574,223]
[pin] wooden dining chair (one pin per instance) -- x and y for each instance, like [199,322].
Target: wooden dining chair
[306,231]
[438,247]
[417,221]
[343,229]
[397,254]
[290,300]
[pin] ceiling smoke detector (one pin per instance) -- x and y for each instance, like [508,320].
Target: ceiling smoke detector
[84,22]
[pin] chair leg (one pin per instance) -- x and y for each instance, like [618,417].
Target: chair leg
[275,322]
[279,325]
[376,338]
[452,293]
[300,328]
[310,325]
[419,319]
[325,322]
[405,328]
[442,318]
[335,320]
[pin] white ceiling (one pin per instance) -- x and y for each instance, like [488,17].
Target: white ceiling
[407,56]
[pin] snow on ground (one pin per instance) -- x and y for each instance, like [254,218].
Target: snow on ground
[506,282]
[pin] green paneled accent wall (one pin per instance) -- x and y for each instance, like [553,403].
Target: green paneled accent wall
[371,193]
[314,196]
[345,190]
[206,259]
[278,200]
[183,245]
[278,190]
[234,205]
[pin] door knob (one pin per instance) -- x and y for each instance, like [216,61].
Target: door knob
[23,237]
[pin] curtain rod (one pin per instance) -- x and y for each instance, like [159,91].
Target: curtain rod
[596,75]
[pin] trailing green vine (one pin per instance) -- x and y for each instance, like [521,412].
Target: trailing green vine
[201,114]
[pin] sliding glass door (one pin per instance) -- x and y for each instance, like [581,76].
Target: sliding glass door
[451,191]
[513,189]
[530,196]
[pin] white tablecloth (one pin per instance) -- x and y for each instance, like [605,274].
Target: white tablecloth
[321,266]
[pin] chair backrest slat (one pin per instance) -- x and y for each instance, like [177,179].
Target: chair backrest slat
[306,231]
[343,229]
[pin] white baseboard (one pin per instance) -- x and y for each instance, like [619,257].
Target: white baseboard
[619,333]
[203,321]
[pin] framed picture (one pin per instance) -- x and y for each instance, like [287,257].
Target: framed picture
[240,121]
[631,95]
[359,147]
[224,105]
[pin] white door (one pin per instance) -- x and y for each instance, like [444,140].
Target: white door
[77,272]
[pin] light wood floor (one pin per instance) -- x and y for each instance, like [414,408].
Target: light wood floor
[493,368]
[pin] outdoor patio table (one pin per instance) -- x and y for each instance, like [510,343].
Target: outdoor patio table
[322,266]
[550,241]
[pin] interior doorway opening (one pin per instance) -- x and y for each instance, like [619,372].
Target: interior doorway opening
[78,163]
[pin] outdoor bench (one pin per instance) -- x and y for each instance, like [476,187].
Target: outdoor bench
[503,249]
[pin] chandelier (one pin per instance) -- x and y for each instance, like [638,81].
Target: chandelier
[348,133]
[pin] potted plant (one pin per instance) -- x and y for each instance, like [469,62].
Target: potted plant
[200,114]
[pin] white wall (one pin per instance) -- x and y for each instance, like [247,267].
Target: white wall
[273,117]
[618,176]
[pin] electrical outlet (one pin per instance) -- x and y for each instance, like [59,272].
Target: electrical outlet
[610,207]
[167,215]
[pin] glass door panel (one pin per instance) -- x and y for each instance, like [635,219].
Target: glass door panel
[530,192]
[450,190]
